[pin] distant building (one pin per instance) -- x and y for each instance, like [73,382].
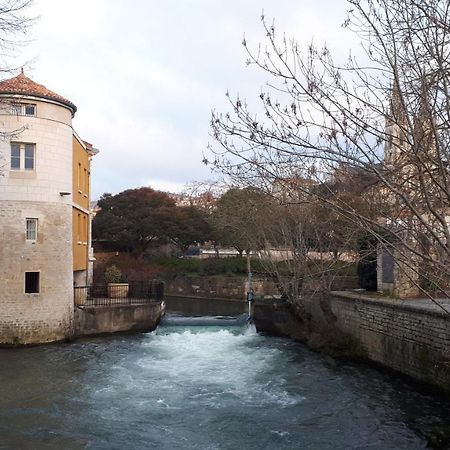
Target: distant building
[44,213]
[205,200]
[293,189]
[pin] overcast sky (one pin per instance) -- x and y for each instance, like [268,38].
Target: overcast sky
[145,74]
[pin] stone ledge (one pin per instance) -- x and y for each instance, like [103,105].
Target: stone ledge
[421,306]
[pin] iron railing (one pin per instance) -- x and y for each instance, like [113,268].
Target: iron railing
[135,292]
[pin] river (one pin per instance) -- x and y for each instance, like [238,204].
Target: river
[205,384]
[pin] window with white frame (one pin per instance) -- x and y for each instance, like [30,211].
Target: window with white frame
[23,109]
[22,156]
[31,229]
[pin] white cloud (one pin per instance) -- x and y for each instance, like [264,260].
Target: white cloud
[145,74]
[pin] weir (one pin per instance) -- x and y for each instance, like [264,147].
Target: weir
[204,321]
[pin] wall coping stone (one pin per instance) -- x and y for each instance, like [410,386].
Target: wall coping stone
[416,305]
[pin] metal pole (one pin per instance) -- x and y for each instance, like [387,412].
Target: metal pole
[249,289]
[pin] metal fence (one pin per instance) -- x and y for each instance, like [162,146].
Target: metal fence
[119,293]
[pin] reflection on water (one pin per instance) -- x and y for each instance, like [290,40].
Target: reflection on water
[210,385]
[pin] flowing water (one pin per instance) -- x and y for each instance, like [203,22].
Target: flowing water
[204,384]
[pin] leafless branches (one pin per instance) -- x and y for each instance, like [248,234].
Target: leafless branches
[14,22]
[14,25]
[387,119]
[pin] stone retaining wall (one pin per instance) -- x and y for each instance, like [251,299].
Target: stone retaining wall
[412,339]
[234,287]
[217,287]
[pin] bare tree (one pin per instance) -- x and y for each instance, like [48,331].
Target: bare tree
[387,119]
[14,22]
[14,25]
[203,194]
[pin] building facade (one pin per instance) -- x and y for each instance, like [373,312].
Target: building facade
[44,213]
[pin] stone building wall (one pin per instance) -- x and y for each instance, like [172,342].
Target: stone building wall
[47,316]
[51,132]
[43,194]
[397,274]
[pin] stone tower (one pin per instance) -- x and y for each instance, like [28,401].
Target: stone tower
[410,150]
[396,129]
[406,139]
[36,256]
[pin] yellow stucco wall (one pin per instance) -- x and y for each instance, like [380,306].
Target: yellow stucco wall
[80,228]
[80,197]
[81,174]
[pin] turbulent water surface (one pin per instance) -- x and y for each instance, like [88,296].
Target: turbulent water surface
[204,384]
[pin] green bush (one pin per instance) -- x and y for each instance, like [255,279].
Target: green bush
[172,264]
[207,267]
[226,266]
[160,267]
[113,275]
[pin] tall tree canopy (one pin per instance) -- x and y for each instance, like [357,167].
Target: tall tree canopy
[133,219]
[188,225]
[235,215]
[136,218]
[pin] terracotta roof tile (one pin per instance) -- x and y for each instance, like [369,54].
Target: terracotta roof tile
[22,85]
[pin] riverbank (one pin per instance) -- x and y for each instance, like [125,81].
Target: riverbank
[408,336]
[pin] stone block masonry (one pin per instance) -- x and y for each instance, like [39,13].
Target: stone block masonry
[409,336]
[233,287]
[48,315]
[412,337]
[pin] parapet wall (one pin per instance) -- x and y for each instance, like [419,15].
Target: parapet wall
[95,320]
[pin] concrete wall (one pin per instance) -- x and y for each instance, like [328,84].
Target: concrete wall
[413,340]
[96,320]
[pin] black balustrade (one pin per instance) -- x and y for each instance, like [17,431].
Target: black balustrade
[136,292]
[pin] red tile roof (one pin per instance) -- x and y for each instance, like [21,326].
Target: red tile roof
[22,85]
